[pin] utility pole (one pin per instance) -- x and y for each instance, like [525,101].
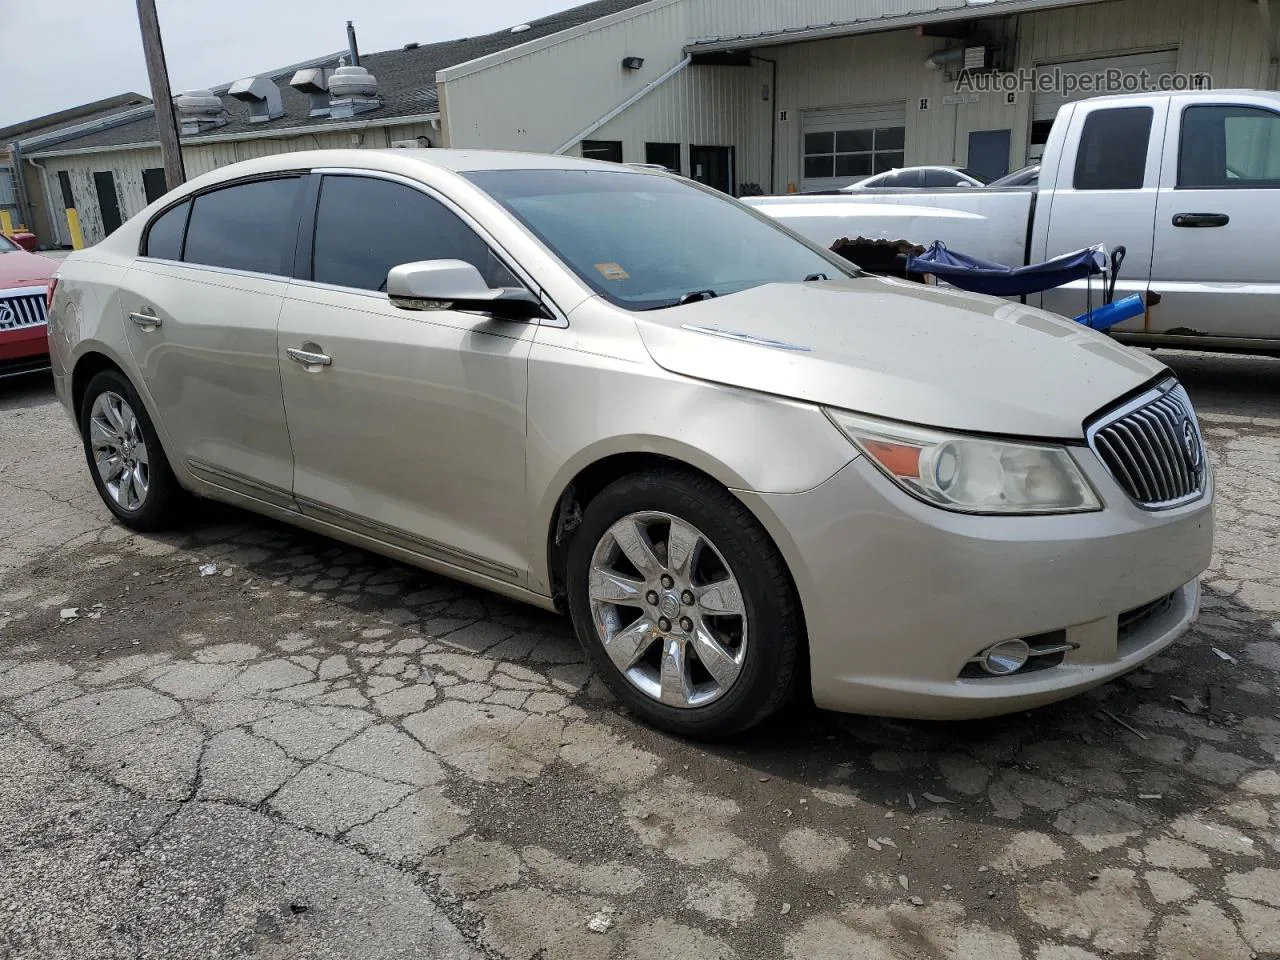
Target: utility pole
[166,125]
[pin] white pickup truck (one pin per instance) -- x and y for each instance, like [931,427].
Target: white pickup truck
[1188,183]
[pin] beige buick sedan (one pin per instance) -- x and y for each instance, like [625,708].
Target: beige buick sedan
[739,464]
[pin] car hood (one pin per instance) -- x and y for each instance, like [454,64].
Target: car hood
[910,352]
[21,269]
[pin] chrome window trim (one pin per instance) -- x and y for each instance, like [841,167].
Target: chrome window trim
[1162,389]
[227,271]
[560,319]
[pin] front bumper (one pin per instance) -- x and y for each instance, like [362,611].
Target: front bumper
[899,596]
[24,343]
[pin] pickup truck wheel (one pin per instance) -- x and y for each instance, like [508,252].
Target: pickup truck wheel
[126,461]
[684,604]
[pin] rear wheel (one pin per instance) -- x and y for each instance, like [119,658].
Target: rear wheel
[684,604]
[126,461]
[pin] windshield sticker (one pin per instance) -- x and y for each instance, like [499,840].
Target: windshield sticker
[613,271]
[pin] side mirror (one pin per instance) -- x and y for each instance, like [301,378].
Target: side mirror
[457,285]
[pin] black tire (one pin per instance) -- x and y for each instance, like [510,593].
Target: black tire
[161,505]
[775,625]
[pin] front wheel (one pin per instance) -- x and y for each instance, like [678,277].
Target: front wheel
[125,459]
[684,604]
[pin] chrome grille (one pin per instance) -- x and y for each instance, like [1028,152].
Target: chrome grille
[1153,448]
[22,310]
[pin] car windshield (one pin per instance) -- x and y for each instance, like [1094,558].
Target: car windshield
[7,245]
[646,242]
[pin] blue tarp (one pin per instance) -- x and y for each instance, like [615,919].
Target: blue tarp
[982,276]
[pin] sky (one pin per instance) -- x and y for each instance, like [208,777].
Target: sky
[66,52]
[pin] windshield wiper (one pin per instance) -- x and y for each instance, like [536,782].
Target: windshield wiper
[695,297]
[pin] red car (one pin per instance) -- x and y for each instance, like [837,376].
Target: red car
[25,279]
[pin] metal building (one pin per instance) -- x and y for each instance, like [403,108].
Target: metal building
[810,94]
[746,95]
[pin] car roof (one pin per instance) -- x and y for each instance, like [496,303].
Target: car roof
[1192,95]
[923,166]
[457,161]
[412,163]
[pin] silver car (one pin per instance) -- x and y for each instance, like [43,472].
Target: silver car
[739,464]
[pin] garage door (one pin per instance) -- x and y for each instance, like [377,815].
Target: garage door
[1123,70]
[844,146]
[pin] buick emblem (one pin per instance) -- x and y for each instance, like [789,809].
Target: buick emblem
[1191,443]
[7,317]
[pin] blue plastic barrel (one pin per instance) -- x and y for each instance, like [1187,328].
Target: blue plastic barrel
[1106,317]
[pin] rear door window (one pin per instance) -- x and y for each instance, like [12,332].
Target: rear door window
[248,226]
[164,238]
[1113,149]
[366,226]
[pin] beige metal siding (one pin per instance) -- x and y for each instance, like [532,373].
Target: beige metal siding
[1222,38]
[539,101]
[729,18]
[847,74]
[707,106]
[1218,37]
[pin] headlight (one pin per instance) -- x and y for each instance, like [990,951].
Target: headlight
[971,474]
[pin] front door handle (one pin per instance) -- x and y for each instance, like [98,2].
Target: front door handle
[146,321]
[1200,220]
[308,358]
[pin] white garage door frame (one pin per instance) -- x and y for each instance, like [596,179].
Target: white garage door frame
[1045,105]
[870,117]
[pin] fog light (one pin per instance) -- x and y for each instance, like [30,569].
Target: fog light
[1005,658]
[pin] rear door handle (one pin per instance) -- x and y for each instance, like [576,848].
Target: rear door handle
[146,321]
[1200,220]
[308,358]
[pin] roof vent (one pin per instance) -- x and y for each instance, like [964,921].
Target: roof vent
[314,82]
[412,46]
[198,111]
[521,28]
[354,90]
[262,96]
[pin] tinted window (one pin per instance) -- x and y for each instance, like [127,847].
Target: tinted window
[610,150]
[1113,149]
[364,227]
[250,226]
[646,241]
[1229,147]
[153,183]
[164,238]
[663,154]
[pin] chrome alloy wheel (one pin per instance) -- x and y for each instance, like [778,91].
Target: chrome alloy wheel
[668,610]
[119,450]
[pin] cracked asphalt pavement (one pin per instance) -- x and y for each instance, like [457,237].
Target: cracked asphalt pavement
[315,752]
